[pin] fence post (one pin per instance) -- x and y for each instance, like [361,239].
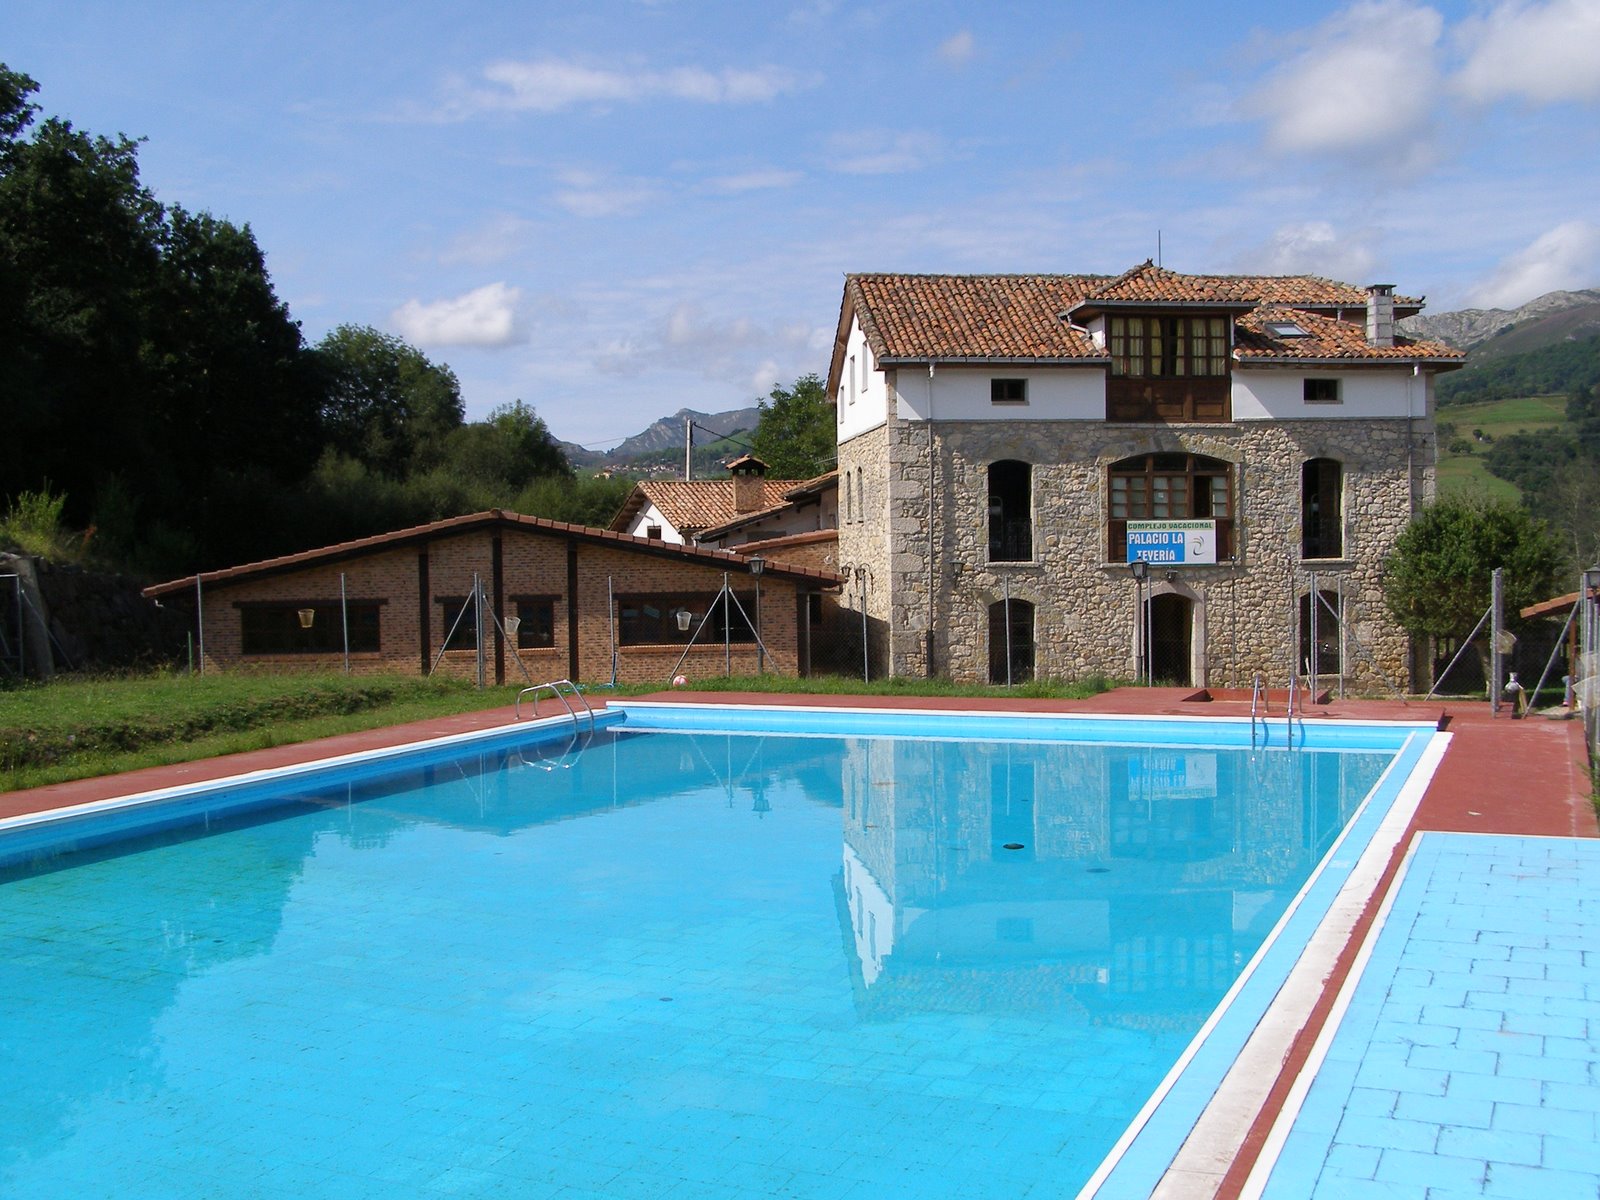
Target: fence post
[1496,626]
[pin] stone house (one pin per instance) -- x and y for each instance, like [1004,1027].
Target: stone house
[1010,446]
[558,601]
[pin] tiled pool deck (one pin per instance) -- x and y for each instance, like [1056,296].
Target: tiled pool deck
[1454,1050]
[1465,1061]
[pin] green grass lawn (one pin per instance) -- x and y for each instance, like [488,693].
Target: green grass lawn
[76,728]
[1465,474]
[79,728]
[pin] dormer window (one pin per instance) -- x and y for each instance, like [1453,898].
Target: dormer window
[1166,347]
[1168,368]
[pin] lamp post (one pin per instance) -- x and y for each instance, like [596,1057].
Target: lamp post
[1141,573]
[758,565]
[863,574]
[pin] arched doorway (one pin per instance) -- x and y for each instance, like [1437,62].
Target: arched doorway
[1171,639]
[1010,641]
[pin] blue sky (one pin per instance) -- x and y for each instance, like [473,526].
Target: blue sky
[616,209]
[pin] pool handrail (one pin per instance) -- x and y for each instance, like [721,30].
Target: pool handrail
[554,687]
[1256,696]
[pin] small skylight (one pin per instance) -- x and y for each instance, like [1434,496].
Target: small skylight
[1286,329]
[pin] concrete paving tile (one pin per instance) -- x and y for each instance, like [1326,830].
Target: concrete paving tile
[1466,1114]
[1430,1170]
[1522,1183]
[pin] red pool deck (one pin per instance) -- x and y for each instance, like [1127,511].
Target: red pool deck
[1499,775]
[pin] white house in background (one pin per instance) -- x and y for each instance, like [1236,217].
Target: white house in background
[745,507]
[1010,444]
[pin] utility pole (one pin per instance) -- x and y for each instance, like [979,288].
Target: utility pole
[688,448]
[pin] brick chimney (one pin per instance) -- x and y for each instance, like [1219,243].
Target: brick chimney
[1380,314]
[748,471]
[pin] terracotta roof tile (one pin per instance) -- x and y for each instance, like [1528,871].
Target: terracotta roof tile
[971,316]
[1325,338]
[464,524]
[1150,284]
[1016,318]
[695,504]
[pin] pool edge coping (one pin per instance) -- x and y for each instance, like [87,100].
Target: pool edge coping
[1214,1137]
[43,818]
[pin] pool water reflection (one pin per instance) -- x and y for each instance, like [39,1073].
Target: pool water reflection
[671,964]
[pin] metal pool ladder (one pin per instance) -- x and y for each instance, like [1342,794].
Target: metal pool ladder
[554,688]
[1256,698]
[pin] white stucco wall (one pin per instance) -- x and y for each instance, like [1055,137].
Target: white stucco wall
[961,393]
[1278,395]
[863,396]
[651,515]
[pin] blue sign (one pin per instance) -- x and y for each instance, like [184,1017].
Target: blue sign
[1172,543]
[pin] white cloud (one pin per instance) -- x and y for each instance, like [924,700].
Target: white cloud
[1363,82]
[485,316]
[1547,53]
[587,194]
[1314,248]
[755,181]
[734,350]
[495,240]
[1563,259]
[550,85]
[957,49]
[881,152]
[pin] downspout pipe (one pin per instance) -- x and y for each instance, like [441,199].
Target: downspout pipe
[933,509]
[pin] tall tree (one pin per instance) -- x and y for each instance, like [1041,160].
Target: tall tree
[1438,580]
[386,404]
[79,260]
[508,451]
[151,373]
[794,434]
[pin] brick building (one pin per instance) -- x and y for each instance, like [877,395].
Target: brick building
[560,601]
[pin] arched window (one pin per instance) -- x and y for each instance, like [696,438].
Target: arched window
[1010,511]
[1326,617]
[1155,487]
[1321,509]
[1010,641]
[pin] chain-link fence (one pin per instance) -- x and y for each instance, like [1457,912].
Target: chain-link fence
[1586,669]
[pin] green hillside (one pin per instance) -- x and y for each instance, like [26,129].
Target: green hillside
[1462,470]
[1563,367]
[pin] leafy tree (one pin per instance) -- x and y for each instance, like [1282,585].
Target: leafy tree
[78,263]
[386,404]
[1438,580]
[795,434]
[508,451]
[150,371]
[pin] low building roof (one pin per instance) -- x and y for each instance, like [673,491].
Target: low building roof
[492,518]
[695,504]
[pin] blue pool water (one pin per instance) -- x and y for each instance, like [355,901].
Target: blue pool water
[689,964]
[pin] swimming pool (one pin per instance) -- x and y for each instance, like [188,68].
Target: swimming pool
[677,963]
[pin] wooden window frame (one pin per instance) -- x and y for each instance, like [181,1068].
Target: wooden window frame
[534,634]
[1191,469]
[1011,530]
[1008,390]
[646,618]
[1169,367]
[1321,509]
[278,622]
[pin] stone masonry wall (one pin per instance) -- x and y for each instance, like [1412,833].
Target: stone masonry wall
[1244,612]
